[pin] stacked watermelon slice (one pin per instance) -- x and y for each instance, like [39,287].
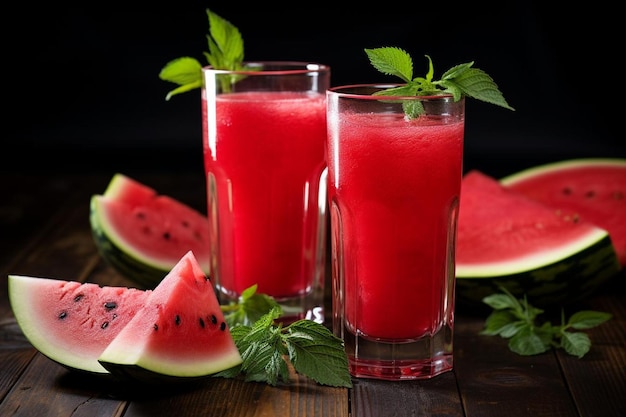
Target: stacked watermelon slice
[554,233]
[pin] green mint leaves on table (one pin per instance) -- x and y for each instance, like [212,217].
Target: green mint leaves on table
[225,52]
[514,319]
[461,80]
[266,346]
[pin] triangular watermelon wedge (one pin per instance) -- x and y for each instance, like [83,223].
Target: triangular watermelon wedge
[507,239]
[179,333]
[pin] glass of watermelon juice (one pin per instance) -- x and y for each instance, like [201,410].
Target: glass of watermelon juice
[393,189]
[264,132]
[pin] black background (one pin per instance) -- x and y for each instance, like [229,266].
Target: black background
[82,91]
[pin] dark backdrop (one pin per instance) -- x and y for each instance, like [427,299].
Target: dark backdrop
[82,90]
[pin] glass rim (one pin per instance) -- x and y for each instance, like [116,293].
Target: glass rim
[349,91]
[290,67]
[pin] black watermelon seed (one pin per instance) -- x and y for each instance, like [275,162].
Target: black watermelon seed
[110,305]
[104,325]
[78,297]
[62,315]
[223,326]
[167,236]
[201,321]
[177,320]
[156,327]
[213,319]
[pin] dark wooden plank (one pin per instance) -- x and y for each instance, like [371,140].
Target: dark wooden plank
[598,380]
[434,397]
[494,381]
[47,389]
[235,398]
[15,354]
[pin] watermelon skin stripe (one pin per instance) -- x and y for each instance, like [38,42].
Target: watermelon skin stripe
[144,275]
[563,282]
[534,262]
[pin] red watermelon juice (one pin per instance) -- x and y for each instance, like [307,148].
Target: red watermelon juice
[265,166]
[394,187]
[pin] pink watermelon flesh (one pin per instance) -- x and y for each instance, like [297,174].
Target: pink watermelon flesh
[180,332]
[70,322]
[593,190]
[502,230]
[157,227]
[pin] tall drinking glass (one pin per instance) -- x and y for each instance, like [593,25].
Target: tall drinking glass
[393,188]
[264,130]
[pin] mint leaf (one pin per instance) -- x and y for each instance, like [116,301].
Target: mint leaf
[527,342]
[576,344]
[226,51]
[587,319]
[498,322]
[317,353]
[185,71]
[461,80]
[392,61]
[225,44]
[250,307]
[267,348]
[502,301]
[475,83]
[515,319]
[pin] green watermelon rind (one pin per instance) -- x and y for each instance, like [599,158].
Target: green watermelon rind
[562,282]
[544,259]
[553,166]
[124,259]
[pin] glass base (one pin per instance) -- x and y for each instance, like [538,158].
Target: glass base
[421,358]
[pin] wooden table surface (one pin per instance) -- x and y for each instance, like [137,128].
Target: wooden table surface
[44,231]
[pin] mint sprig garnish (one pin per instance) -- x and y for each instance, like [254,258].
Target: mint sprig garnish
[249,308]
[460,80]
[267,347]
[515,319]
[225,52]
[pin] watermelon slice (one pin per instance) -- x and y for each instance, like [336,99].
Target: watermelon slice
[143,234]
[592,189]
[70,322]
[175,333]
[180,332]
[507,239]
